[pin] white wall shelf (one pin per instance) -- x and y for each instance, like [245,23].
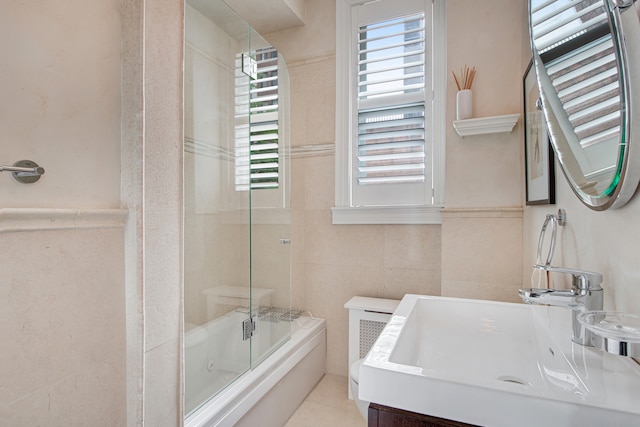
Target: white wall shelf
[486,125]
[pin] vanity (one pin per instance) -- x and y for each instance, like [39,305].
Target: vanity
[472,362]
[380,415]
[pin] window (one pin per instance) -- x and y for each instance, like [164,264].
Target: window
[391,69]
[256,130]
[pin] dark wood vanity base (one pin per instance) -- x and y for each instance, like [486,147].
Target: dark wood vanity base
[384,416]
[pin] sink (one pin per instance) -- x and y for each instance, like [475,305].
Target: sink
[496,364]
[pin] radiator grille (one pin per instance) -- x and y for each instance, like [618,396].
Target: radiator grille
[369,332]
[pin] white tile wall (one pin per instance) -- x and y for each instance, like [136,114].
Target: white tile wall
[63,319]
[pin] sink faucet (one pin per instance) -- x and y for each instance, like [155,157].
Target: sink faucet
[585,294]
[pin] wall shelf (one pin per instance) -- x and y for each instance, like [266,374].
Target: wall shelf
[486,125]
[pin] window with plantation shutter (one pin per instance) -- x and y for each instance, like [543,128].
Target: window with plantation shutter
[579,55]
[256,130]
[391,139]
[390,160]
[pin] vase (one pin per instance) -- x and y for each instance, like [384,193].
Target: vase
[464,101]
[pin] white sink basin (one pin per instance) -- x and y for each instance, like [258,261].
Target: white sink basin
[497,364]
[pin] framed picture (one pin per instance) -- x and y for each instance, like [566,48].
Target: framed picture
[539,167]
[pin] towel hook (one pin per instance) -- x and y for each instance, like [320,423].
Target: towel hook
[24,171]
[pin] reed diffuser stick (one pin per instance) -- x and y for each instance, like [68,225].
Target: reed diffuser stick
[466,77]
[456,80]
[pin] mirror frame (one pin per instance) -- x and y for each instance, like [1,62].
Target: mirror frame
[624,21]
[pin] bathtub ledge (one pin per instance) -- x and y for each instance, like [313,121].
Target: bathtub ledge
[238,404]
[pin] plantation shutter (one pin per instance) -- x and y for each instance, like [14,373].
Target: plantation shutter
[391,144]
[257,148]
[579,55]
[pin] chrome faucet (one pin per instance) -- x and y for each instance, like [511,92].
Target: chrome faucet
[585,295]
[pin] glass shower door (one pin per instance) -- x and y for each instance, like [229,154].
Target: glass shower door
[236,213]
[217,229]
[270,187]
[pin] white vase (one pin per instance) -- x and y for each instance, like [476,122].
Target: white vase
[464,101]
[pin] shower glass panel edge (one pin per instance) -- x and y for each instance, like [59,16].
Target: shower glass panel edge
[270,199]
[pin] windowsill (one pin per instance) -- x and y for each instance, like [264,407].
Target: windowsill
[387,215]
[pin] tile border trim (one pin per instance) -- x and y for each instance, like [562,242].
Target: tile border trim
[40,219]
[488,212]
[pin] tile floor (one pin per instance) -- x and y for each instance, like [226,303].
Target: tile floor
[327,405]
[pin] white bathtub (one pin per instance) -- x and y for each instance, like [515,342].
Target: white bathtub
[251,399]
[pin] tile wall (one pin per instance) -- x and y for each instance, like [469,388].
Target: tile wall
[62,317]
[95,309]
[332,263]
[60,87]
[482,220]
[151,191]
[62,294]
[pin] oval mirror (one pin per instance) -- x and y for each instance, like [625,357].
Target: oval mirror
[587,59]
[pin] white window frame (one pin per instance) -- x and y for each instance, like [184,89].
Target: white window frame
[344,211]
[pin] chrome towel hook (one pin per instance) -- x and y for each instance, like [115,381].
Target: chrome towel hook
[24,171]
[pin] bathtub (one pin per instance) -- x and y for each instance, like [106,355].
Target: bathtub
[252,399]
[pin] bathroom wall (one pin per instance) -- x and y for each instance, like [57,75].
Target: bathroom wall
[151,190]
[62,296]
[607,242]
[91,293]
[62,318]
[332,263]
[61,102]
[482,219]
